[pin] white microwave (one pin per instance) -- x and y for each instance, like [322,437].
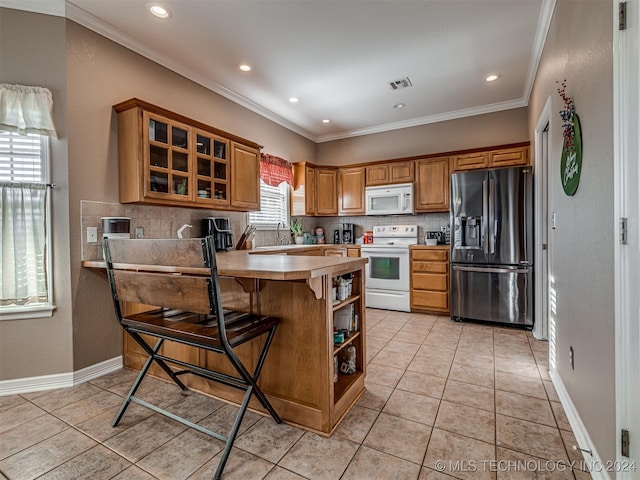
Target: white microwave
[389,199]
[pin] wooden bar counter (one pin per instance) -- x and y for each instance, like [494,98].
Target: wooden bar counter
[298,375]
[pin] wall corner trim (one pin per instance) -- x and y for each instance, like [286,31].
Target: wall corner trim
[59,380]
[596,466]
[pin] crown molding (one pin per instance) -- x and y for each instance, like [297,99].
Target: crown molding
[89,21]
[48,7]
[416,122]
[544,22]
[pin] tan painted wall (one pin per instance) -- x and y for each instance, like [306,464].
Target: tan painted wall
[579,49]
[509,126]
[41,346]
[102,73]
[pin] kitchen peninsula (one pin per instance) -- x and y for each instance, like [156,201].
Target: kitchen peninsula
[298,375]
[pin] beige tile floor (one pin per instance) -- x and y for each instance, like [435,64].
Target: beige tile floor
[444,400]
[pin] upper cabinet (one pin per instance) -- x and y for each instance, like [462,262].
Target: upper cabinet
[387,173]
[315,190]
[351,191]
[504,157]
[432,185]
[509,157]
[167,159]
[326,191]
[245,177]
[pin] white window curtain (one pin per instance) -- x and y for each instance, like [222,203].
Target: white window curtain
[26,109]
[25,118]
[23,244]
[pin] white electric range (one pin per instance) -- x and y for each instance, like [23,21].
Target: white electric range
[387,272]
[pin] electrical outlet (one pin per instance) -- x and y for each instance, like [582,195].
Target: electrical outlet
[571,358]
[139,232]
[92,234]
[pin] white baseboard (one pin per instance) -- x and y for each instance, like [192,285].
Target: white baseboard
[579,430]
[59,380]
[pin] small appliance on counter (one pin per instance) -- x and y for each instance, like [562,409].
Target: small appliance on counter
[446,235]
[116,227]
[220,228]
[346,234]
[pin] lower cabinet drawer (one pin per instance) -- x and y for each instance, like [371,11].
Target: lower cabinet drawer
[430,281]
[430,267]
[430,300]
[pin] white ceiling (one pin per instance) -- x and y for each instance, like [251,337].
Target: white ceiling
[338,57]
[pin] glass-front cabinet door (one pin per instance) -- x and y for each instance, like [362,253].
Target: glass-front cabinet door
[167,158]
[212,168]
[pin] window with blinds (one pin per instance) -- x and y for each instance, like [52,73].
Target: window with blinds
[274,206]
[23,157]
[25,259]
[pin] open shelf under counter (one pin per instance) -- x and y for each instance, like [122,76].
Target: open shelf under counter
[346,343]
[344,384]
[338,304]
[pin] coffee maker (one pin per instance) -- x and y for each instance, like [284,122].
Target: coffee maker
[220,228]
[348,233]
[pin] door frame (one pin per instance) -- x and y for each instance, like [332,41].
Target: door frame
[541,217]
[626,127]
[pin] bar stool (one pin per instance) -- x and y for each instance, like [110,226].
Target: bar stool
[180,277]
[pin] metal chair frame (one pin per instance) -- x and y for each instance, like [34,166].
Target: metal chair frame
[246,381]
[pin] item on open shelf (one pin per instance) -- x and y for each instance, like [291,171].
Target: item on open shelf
[348,365]
[342,318]
[335,369]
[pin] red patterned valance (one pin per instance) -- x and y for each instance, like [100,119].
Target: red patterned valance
[274,170]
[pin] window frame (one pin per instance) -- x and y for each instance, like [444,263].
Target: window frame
[285,187]
[41,310]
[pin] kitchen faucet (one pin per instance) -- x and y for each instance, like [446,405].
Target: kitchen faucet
[279,241]
[182,229]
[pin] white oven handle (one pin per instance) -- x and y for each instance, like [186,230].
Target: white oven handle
[383,251]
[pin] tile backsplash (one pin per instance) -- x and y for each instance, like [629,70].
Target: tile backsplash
[157,222]
[164,222]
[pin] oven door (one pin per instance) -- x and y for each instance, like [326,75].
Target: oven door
[388,268]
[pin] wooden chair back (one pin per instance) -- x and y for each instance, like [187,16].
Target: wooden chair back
[126,262]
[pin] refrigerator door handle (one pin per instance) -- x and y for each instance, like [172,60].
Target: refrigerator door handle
[485,217]
[492,216]
[490,269]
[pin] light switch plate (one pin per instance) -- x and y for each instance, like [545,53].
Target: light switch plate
[139,232]
[92,234]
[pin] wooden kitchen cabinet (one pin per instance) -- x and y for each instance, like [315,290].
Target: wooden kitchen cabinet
[470,161]
[168,159]
[509,157]
[303,191]
[245,177]
[502,157]
[315,190]
[432,185]
[351,183]
[388,173]
[326,191]
[430,279]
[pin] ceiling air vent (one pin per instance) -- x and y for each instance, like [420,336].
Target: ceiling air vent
[402,83]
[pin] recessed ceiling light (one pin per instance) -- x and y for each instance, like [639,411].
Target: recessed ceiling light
[492,78]
[399,105]
[159,11]
[294,99]
[326,120]
[245,68]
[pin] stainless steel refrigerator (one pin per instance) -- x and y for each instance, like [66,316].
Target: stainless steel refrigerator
[492,246]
